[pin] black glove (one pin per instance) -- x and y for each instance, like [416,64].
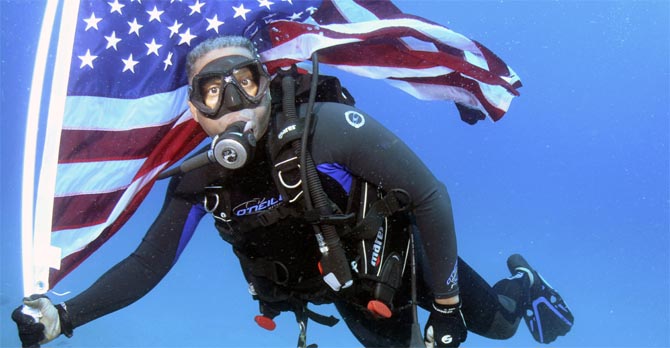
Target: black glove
[445,326]
[44,324]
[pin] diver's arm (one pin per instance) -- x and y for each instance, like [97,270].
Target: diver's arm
[137,274]
[379,157]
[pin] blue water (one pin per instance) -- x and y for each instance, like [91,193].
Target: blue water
[575,177]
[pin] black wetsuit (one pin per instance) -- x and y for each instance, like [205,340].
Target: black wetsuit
[346,143]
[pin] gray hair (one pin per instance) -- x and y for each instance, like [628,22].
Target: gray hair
[214,43]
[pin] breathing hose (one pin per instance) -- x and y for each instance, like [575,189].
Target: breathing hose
[334,265]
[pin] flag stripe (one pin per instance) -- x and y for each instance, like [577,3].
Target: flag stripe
[95,177]
[99,113]
[74,212]
[110,145]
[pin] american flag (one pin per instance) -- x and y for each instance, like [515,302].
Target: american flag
[125,117]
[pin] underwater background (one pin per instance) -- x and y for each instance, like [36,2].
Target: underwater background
[575,177]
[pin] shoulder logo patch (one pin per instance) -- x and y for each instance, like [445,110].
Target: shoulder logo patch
[355,119]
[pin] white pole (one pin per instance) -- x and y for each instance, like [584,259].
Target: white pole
[30,149]
[38,247]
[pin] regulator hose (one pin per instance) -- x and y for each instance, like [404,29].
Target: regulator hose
[334,265]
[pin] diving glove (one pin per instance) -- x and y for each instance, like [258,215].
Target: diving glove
[44,323]
[445,326]
[545,312]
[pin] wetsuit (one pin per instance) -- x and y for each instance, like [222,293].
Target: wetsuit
[346,143]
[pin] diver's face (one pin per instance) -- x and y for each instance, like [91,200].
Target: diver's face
[210,90]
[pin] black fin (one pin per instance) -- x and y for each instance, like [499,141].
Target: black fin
[545,312]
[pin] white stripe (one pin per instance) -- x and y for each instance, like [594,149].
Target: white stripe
[301,48]
[45,256]
[353,12]
[95,177]
[436,32]
[476,60]
[415,44]
[432,92]
[496,95]
[71,241]
[383,72]
[99,113]
[32,285]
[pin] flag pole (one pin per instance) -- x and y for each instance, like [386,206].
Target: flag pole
[37,252]
[30,284]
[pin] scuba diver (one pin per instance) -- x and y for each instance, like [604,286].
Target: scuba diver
[325,207]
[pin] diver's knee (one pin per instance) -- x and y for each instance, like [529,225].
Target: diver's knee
[501,328]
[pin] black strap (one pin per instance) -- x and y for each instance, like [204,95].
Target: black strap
[266,268]
[394,201]
[320,318]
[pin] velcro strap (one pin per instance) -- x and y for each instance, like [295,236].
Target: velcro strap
[271,216]
[291,130]
[315,217]
[321,319]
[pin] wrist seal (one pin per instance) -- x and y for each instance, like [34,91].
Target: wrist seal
[449,309]
[66,327]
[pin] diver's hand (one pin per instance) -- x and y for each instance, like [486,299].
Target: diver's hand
[445,326]
[44,324]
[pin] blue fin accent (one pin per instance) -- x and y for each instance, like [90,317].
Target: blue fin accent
[545,312]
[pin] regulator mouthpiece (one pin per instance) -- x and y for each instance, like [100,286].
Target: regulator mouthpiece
[233,149]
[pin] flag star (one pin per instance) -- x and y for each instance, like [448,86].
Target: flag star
[186,37]
[155,14]
[174,29]
[241,12]
[214,23]
[112,40]
[116,7]
[153,47]
[266,3]
[129,64]
[196,7]
[295,16]
[289,1]
[168,61]
[92,22]
[135,27]
[87,59]
[311,10]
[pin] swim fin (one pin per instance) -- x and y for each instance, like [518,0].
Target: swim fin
[545,312]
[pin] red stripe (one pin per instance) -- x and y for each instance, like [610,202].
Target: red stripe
[496,65]
[328,14]
[99,145]
[175,145]
[83,210]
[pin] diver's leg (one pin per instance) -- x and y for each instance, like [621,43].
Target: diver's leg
[543,309]
[489,311]
[375,332]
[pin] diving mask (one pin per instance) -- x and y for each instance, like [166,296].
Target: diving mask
[228,84]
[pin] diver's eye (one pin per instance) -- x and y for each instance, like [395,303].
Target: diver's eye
[213,90]
[210,92]
[245,83]
[245,79]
